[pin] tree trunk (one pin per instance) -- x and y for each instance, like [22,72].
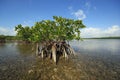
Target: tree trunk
[54,52]
[37,49]
[65,54]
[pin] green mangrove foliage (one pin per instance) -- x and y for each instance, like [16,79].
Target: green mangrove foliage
[52,34]
[23,33]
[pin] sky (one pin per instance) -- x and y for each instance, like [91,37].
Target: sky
[101,17]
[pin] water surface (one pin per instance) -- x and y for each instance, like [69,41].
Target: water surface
[97,59]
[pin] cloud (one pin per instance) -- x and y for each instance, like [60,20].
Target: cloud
[98,32]
[7,31]
[79,14]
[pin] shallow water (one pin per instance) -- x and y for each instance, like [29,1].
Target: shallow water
[96,59]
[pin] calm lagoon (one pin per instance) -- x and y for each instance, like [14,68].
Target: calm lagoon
[96,59]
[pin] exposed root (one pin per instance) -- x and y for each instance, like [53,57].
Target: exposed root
[55,50]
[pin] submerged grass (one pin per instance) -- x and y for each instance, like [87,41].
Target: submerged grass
[82,67]
[47,70]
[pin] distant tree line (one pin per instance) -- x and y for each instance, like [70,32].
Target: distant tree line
[114,37]
[4,38]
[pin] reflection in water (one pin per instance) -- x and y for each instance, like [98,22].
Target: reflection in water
[100,46]
[25,49]
[97,59]
[8,49]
